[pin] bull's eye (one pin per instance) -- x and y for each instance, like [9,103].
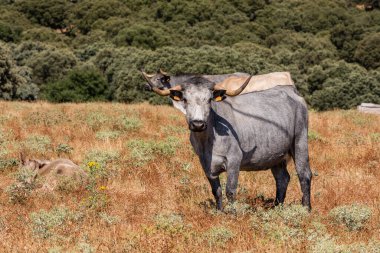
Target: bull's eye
[185,101]
[209,101]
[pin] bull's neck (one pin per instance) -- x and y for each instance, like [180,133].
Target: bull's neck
[175,80]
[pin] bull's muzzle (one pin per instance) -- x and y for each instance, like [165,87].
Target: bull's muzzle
[197,125]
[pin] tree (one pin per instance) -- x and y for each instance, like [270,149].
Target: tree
[368,51]
[9,33]
[15,82]
[51,64]
[51,13]
[346,38]
[80,85]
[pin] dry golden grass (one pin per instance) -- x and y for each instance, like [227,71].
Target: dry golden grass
[160,201]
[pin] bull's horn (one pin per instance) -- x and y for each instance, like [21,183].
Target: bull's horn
[147,78]
[236,92]
[163,72]
[166,92]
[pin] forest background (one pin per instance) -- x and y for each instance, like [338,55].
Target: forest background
[92,50]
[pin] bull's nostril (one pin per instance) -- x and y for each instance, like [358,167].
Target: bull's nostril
[197,125]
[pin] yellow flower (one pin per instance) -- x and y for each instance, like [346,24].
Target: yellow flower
[102,188]
[92,164]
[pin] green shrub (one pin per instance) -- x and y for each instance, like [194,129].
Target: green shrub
[87,12]
[313,135]
[368,52]
[170,223]
[142,152]
[52,13]
[96,120]
[64,148]
[85,248]
[38,143]
[45,223]
[6,163]
[109,219]
[293,215]
[325,245]
[218,236]
[15,81]
[102,156]
[9,33]
[130,123]
[50,64]
[19,192]
[79,86]
[107,135]
[68,184]
[354,216]
[283,223]
[238,208]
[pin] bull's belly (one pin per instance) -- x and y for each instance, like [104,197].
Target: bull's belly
[263,164]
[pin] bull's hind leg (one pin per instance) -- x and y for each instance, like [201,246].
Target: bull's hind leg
[300,156]
[282,178]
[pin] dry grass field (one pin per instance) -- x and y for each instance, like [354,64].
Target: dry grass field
[147,191]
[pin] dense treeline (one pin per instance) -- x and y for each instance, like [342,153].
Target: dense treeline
[85,50]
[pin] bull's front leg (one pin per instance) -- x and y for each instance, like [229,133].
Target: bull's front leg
[232,182]
[216,191]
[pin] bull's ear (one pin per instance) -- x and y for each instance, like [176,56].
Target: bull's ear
[42,163]
[176,95]
[219,95]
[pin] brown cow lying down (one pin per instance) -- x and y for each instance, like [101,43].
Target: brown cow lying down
[55,170]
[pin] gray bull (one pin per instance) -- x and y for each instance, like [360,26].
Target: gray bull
[253,131]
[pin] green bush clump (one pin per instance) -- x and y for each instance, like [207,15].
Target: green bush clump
[51,13]
[15,81]
[38,143]
[9,33]
[109,219]
[64,148]
[7,163]
[19,192]
[218,236]
[96,120]
[170,223]
[102,156]
[293,215]
[282,223]
[142,151]
[130,123]
[79,86]
[354,216]
[313,135]
[46,224]
[367,52]
[107,135]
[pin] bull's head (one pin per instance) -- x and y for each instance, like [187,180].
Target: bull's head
[160,80]
[32,164]
[195,97]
